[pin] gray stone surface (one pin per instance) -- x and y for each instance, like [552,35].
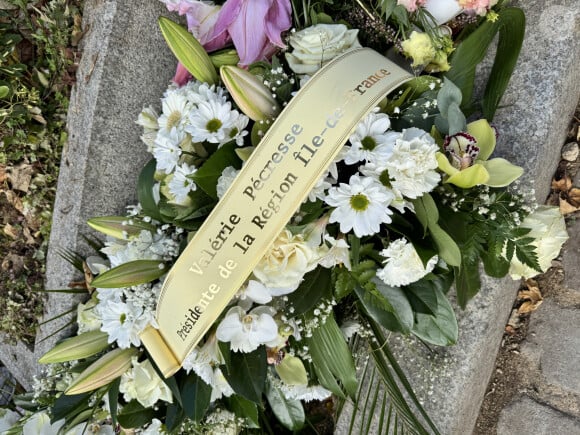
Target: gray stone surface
[553,341]
[125,65]
[571,261]
[526,416]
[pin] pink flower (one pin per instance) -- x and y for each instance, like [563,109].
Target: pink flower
[411,5]
[255,27]
[480,7]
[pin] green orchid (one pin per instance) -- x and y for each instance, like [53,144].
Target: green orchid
[466,159]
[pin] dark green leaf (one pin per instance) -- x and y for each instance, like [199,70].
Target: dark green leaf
[174,417]
[207,175]
[328,348]
[398,300]
[114,399]
[289,412]
[467,282]
[245,409]
[145,190]
[68,406]
[246,373]
[439,328]
[195,395]
[512,24]
[377,307]
[344,282]
[422,296]
[134,414]
[314,287]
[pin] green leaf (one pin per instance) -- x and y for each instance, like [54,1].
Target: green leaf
[174,417]
[145,191]
[314,287]
[473,49]
[289,412]
[344,282]
[439,328]
[328,349]
[525,252]
[246,373]
[114,399]
[422,296]
[377,307]
[131,273]
[4,91]
[398,300]
[135,415]
[446,246]
[512,24]
[207,175]
[196,395]
[245,409]
[467,282]
[426,210]
[67,406]
[188,51]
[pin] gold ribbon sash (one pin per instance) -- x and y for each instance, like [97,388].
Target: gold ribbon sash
[294,153]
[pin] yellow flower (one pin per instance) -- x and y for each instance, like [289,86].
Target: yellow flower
[419,47]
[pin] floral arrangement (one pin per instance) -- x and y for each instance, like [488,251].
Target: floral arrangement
[411,207]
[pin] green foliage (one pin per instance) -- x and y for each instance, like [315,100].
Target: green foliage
[314,287]
[246,373]
[289,412]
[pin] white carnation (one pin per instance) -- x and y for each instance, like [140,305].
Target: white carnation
[403,265]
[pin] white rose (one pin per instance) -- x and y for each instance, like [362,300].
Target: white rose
[286,262]
[316,45]
[548,228]
[143,383]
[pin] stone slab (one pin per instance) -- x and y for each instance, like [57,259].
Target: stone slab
[571,258]
[128,66]
[553,341]
[526,416]
[125,65]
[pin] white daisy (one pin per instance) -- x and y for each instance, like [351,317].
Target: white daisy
[412,167]
[212,122]
[403,265]
[370,140]
[181,184]
[362,205]
[238,132]
[166,149]
[123,322]
[247,331]
[175,109]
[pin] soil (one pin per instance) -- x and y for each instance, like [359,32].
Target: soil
[513,374]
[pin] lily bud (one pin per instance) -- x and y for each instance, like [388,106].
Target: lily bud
[103,371]
[129,274]
[81,346]
[224,57]
[188,51]
[119,227]
[249,93]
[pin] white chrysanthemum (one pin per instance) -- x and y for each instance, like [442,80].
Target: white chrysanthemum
[198,92]
[403,265]
[148,119]
[212,122]
[361,206]
[166,149]
[370,140]
[412,167]
[336,253]
[247,331]
[319,190]
[123,322]
[381,174]
[238,130]
[225,180]
[548,229]
[175,109]
[181,184]
[144,384]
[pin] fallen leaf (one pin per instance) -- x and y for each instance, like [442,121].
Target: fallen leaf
[29,239]
[13,263]
[566,207]
[20,177]
[11,231]
[3,175]
[562,185]
[88,277]
[532,297]
[574,196]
